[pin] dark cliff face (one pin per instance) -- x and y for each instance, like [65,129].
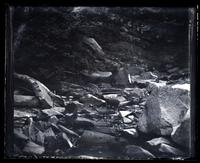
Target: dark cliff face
[49,42]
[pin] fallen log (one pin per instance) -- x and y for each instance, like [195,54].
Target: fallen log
[47,98]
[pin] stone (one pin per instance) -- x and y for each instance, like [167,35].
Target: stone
[121,77]
[182,133]
[33,148]
[94,45]
[148,75]
[165,108]
[165,148]
[131,132]
[158,141]
[19,135]
[91,99]
[50,141]
[53,119]
[51,112]
[92,138]
[22,114]
[39,138]
[135,92]
[98,75]
[114,99]
[68,131]
[137,152]
[59,109]
[81,122]
[64,141]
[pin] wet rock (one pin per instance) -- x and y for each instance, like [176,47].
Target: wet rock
[32,148]
[182,133]
[90,99]
[137,152]
[166,108]
[25,101]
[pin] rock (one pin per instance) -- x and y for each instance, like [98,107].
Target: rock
[90,99]
[25,101]
[182,133]
[148,75]
[50,141]
[51,112]
[114,99]
[135,92]
[97,76]
[68,131]
[121,77]
[22,114]
[64,141]
[92,138]
[19,135]
[94,45]
[172,70]
[59,109]
[39,138]
[32,148]
[81,122]
[132,132]
[125,113]
[158,141]
[137,152]
[105,130]
[53,119]
[135,70]
[165,148]
[165,108]
[111,91]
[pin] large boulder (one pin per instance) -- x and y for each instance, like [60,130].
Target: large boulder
[182,133]
[166,107]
